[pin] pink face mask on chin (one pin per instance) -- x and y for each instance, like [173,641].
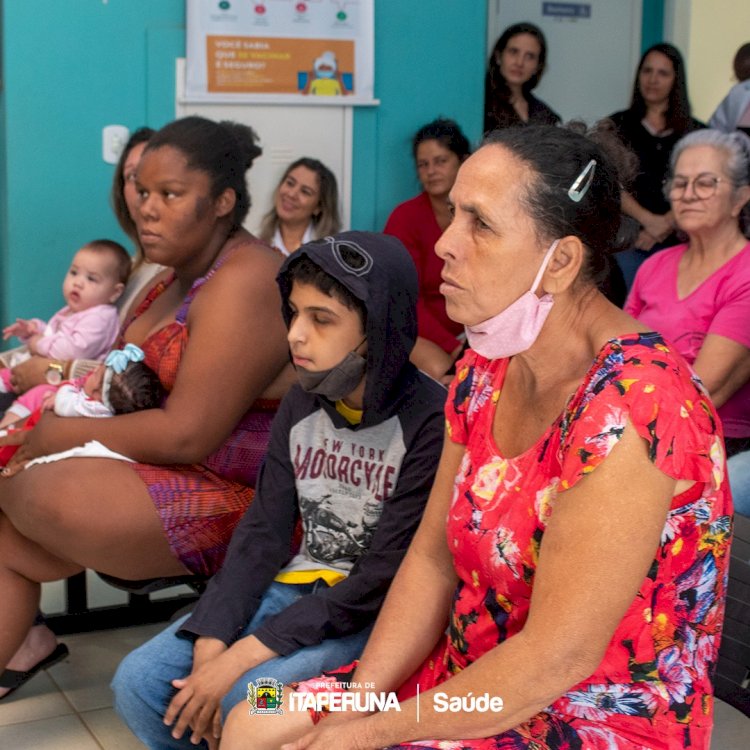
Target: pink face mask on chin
[514,329]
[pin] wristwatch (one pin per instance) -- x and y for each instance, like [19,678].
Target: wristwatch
[54,374]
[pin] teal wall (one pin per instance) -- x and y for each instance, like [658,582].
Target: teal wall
[69,69]
[449,45]
[73,66]
[652,23]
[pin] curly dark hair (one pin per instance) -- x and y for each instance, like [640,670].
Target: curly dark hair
[447,133]
[136,388]
[223,150]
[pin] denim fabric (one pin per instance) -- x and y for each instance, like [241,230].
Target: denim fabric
[738,468]
[630,261]
[142,684]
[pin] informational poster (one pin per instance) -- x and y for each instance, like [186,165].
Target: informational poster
[316,51]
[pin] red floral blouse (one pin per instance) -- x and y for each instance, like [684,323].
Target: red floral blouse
[653,688]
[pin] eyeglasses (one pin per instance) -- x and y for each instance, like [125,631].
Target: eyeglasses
[704,186]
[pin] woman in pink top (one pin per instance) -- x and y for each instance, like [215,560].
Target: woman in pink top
[698,294]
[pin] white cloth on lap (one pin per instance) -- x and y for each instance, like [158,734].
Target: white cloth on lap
[92,449]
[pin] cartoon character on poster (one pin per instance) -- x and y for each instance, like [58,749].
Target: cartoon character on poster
[325,78]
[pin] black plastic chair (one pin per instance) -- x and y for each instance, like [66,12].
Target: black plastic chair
[139,609]
[732,679]
[151,585]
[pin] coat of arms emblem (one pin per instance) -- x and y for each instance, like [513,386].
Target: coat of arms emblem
[265,696]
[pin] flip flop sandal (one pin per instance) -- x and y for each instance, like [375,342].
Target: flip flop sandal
[14,679]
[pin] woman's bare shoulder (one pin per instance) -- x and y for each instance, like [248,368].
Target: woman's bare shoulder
[247,252]
[246,277]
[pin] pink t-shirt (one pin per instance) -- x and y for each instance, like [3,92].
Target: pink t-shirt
[720,305]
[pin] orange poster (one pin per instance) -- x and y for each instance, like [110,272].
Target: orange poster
[301,51]
[268,65]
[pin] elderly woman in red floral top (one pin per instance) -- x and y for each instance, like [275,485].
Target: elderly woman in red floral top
[572,558]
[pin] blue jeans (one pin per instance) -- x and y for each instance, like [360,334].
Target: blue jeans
[738,468]
[142,684]
[630,261]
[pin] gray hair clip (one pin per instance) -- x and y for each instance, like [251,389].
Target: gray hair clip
[576,191]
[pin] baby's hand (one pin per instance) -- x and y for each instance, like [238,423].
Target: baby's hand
[21,328]
[11,330]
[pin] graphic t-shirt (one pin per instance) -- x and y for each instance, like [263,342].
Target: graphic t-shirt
[342,478]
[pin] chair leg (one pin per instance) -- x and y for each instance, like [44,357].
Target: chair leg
[75,592]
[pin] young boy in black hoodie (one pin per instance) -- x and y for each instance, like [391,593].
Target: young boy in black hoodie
[353,452]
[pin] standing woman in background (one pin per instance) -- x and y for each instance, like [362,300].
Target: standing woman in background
[439,148]
[305,206]
[514,70]
[658,116]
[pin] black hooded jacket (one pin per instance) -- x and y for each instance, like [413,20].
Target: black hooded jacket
[359,489]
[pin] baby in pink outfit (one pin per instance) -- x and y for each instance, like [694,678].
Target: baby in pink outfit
[85,328]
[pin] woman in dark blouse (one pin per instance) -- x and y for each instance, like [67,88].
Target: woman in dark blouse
[658,116]
[515,68]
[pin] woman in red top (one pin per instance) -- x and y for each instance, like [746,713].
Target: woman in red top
[439,148]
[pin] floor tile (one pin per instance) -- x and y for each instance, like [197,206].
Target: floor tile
[85,676]
[42,714]
[39,698]
[110,731]
[58,733]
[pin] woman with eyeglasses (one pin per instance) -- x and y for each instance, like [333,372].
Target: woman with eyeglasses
[697,294]
[658,116]
[565,588]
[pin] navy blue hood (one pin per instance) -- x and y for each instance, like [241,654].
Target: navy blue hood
[387,285]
